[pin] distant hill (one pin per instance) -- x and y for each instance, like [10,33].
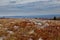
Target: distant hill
[36,16]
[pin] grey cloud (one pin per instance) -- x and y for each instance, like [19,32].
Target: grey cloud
[33,8]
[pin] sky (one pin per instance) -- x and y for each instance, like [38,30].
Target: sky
[5,2]
[12,7]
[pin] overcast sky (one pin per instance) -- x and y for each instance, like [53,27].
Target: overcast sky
[5,2]
[27,11]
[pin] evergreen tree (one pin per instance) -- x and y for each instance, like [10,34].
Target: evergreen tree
[54,17]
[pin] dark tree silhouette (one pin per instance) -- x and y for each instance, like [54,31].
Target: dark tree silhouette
[54,17]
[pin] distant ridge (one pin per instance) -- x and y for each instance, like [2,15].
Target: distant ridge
[35,16]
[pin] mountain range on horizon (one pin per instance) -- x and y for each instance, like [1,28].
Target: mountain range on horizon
[35,16]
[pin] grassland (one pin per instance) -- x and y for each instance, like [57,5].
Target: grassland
[29,29]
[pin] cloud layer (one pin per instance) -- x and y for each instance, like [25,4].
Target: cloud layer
[5,2]
[28,7]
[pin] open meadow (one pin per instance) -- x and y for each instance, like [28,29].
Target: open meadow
[29,29]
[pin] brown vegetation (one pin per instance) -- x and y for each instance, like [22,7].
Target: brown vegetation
[29,29]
